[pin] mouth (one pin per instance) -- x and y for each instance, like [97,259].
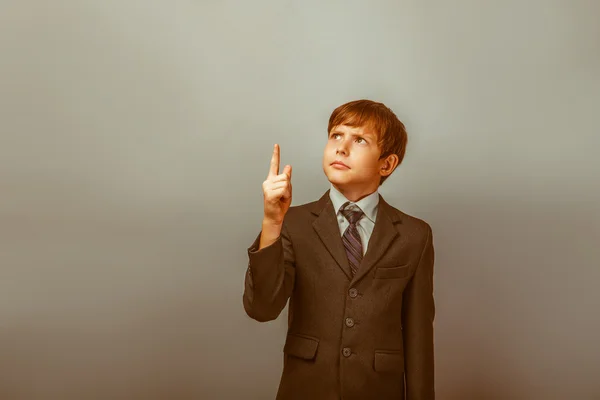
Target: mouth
[339,165]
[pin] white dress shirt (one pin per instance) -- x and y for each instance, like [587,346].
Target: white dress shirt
[365,225]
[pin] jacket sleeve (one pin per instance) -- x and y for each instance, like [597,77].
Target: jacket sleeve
[269,278]
[418,311]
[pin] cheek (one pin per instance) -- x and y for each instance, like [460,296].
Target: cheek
[372,165]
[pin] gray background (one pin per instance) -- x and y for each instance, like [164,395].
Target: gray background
[135,135]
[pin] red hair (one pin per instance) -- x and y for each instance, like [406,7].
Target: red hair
[377,118]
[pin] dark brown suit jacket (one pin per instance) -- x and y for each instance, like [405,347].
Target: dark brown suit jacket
[364,337]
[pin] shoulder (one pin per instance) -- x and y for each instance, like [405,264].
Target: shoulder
[299,218]
[416,227]
[312,208]
[302,212]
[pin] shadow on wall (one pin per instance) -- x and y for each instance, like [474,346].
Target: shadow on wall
[508,275]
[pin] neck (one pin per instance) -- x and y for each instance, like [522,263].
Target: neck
[355,194]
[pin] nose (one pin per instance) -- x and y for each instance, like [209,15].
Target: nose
[341,147]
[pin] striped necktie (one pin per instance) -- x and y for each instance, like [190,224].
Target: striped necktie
[351,238]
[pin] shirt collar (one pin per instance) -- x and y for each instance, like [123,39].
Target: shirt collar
[367,204]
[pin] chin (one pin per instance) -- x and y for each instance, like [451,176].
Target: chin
[338,177]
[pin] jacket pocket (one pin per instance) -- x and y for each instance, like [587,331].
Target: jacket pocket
[301,346]
[400,271]
[388,360]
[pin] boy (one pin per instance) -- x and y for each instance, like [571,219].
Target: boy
[358,272]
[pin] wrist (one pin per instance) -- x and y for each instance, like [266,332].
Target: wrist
[270,233]
[271,224]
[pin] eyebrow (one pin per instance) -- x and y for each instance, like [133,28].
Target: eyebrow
[367,135]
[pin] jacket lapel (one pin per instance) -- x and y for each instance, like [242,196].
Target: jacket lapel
[326,226]
[384,233]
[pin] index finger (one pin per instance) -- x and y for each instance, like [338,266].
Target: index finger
[274,169]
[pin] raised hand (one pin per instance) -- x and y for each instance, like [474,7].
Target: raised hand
[277,191]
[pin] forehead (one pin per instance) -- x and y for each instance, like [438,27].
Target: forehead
[354,130]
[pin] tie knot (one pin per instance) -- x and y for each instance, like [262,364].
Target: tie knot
[352,212]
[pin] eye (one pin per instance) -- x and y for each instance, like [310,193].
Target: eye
[361,139]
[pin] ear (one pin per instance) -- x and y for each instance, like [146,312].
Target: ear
[388,165]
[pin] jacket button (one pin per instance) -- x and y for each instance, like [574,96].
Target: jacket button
[349,322]
[353,292]
[346,352]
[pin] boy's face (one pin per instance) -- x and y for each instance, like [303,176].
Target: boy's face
[351,160]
